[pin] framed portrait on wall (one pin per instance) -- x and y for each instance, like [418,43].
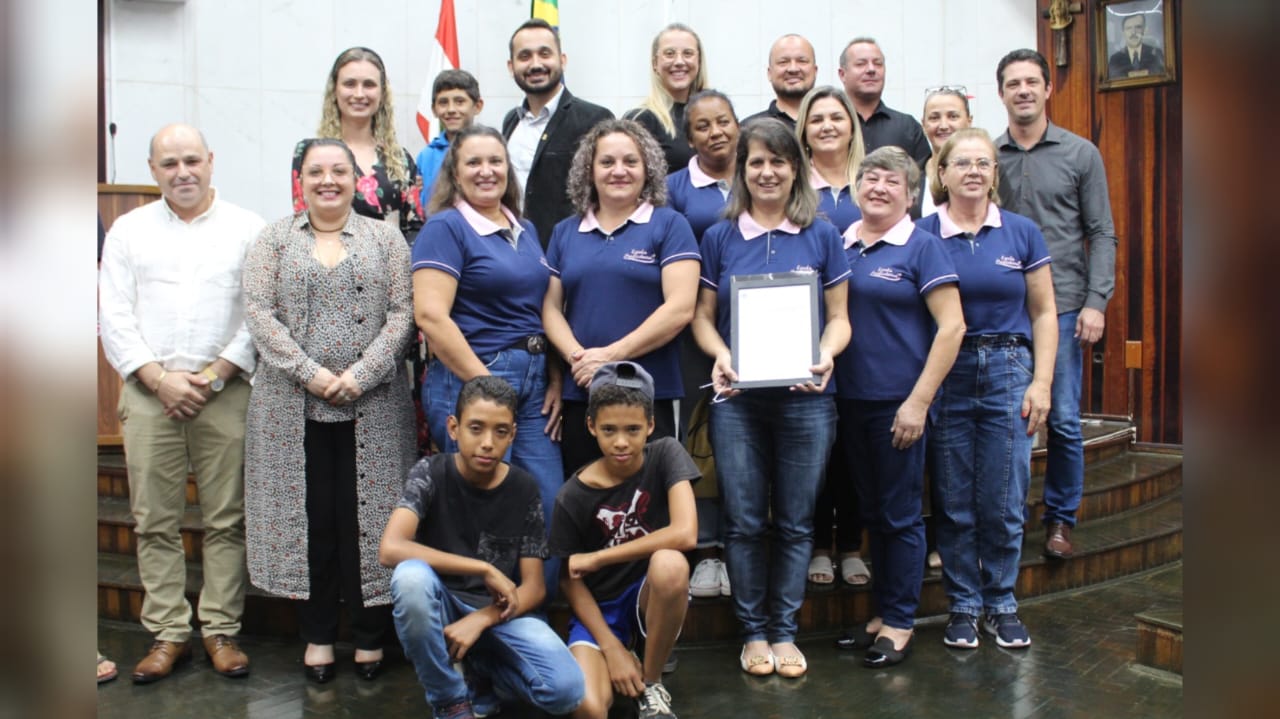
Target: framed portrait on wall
[1135,44]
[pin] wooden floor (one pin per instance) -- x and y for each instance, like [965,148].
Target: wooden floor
[1081,664]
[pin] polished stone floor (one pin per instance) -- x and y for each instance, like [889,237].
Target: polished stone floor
[1080,665]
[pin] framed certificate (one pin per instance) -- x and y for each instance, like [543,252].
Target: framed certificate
[774,329]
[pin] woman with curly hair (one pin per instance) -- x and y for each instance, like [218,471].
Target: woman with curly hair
[357,109]
[678,72]
[624,276]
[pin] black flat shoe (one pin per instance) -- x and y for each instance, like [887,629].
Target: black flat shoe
[369,671]
[882,653]
[855,639]
[319,673]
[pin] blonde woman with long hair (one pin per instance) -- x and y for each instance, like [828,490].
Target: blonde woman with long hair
[358,110]
[678,71]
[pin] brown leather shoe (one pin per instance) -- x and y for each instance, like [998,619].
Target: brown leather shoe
[160,661]
[1057,541]
[226,657]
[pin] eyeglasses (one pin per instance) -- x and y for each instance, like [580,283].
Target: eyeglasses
[960,90]
[963,164]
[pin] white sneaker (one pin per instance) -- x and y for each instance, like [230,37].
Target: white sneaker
[655,703]
[723,572]
[705,581]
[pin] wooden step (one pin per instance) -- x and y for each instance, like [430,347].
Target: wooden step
[1160,637]
[1119,484]
[1129,542]
[116,525]
[1125,481]
[1103,440]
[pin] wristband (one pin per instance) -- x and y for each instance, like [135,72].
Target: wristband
[160,379]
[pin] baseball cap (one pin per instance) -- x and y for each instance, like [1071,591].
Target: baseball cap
[623,374]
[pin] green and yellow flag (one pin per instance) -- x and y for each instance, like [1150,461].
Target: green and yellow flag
[548,10]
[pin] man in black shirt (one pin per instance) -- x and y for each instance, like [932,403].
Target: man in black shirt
[467,542]
[862,73]
[792,71]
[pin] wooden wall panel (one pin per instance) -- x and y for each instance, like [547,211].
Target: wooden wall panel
[1139,133]
[113,201]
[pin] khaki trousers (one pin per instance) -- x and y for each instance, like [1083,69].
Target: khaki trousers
[158,452]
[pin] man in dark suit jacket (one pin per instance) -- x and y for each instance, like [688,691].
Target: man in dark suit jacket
[542,134]
[1136,57]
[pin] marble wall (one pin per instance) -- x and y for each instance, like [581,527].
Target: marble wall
[250,73]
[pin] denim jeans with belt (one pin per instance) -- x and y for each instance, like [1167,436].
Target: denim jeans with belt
[771,448]
[1064,466]
[982,465]
[533,451]
[525,658]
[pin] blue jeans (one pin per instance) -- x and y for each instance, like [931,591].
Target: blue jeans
[890,485]
[981,468]
[771,450]
[533,451]
[524,658]
[1064,468]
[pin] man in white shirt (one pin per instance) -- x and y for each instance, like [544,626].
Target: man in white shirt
[542,134]
[172,324]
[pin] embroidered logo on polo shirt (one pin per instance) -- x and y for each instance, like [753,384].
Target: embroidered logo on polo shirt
[644,257]
[887,273]
[1011,262]
[804,270]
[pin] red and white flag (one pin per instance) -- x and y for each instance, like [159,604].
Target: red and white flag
[444,56]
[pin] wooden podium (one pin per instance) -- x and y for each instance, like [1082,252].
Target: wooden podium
[113,201]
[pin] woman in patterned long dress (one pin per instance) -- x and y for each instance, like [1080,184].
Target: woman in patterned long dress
[329,432]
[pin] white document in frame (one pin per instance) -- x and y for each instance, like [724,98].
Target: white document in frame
[774,333]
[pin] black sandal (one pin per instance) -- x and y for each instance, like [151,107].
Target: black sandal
[882,653]
[855,639]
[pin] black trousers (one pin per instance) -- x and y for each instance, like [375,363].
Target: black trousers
[837,512]
[579,448]
[333,533]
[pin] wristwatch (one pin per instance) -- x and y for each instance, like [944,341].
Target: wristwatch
[216,383]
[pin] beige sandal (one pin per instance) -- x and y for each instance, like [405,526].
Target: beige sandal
[790,666]
[854,571]
[821,570]
[757,664]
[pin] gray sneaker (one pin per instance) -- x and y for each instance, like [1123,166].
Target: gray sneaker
[655,703]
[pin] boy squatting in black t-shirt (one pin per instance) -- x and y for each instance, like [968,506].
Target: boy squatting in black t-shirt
[467,542]
[622,523]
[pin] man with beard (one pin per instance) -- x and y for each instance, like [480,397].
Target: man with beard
[862,73]
[542,134]
[791,72]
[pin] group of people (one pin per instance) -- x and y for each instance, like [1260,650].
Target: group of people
[570,276]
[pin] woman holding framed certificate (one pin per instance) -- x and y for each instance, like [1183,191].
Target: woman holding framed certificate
[771,443]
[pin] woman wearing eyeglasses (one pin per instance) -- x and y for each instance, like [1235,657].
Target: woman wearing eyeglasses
[678,72]
[996,395]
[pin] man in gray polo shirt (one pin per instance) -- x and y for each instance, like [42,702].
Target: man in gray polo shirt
[1057,179]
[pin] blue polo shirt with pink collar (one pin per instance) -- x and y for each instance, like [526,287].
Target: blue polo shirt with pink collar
[698,196]
[742,247]
[992,265]
[892,327]
[502,274]
[613,282]
[835,204]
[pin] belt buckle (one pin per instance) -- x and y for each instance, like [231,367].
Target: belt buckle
[535,344]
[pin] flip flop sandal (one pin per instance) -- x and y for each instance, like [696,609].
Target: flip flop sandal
[854,571]
[821,570]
